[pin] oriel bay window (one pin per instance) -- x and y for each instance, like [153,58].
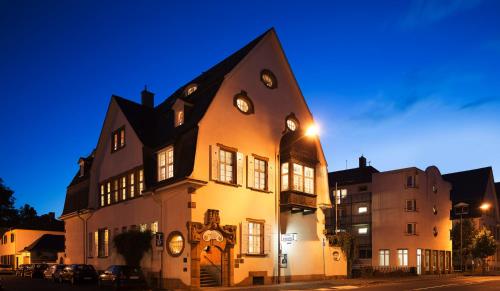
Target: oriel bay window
[166,163]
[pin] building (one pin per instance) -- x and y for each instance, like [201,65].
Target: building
[352,191]
[28,243]
[476,188]
[222,167]
[399,218]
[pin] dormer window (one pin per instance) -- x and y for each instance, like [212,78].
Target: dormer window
[190,89]
[81,162]
[166,163]
[179,117]
[179,109]
[118,139]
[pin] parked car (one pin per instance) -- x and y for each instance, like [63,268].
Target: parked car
[20,270]
[27,270]
[53,272]
[123,277]
[6,269]
[78,273]
[35,270]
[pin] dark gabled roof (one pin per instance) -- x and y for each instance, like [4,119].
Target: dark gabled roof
[86,170]
[351,176]
[77,193]
[47,242]
[469,187]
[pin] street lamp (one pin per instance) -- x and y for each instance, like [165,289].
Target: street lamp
[461,209]
[485,206]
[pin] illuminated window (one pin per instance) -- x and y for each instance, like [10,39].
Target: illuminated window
[118,139]
[226,166]
[403,257]
[255,237]
[141,181]
[102,195]
[115,190]
[363,230]
[268,78]
[190,89]
[260,174]
[108,193]
[298,177]
[383,256]
[175,244]
[166,164]
[103,243]
[179,117]
[308,180]
[123,187]
[340,194]
[154,227]
[284,176]
[132,184]
[362,209]
[143,227]
[243,103]
[291,124]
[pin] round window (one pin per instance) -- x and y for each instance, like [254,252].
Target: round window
[175,244]
[291,124]
[267,77]
[243,103]
[190,89]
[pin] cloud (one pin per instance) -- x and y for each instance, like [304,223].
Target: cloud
[425,12]
[478,103]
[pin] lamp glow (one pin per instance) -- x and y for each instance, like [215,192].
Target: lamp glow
[312,130]
[485,206]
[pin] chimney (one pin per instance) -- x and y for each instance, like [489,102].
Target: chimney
[147,98]
[362,162]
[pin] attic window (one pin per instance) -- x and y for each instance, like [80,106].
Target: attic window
[267,77]
[82,167]
[292,123]
[243,103]
[190,89]
[118,141]
[179,117]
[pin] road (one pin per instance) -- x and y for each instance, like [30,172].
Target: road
[460,283]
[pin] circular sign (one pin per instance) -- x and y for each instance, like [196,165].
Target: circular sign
[212,235]
[336,256]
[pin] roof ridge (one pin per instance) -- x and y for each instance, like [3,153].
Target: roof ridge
[471,170]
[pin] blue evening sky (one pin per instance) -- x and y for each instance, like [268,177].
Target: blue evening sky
[406,83]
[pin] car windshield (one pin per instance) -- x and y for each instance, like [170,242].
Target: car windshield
[84,267]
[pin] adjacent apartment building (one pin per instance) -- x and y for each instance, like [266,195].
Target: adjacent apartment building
[477,191]
[32,243]
[400,218]
[225,167]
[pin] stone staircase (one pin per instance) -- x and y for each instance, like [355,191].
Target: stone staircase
[206,278]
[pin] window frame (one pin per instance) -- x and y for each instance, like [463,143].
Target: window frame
[259,172]
[413,204]
[272,76]
[260,236]
[413,228]
[166,171]
[107,198]
[103,243]
[233,165]
[402,257]
[384,257]
[244,96]
[118,139]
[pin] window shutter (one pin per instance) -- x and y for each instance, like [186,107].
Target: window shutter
[270,176]
[239,168]
[250,172]
[214,162]
[267,238]
[244,237]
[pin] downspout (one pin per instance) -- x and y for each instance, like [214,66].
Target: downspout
[160,227]
[277,190]
[84,221]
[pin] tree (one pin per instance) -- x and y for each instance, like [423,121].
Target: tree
[27,213]
[347,244]
[483,246]
[8,214]
[468,233]
[132,245]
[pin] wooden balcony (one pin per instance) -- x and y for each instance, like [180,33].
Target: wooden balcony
[297,201]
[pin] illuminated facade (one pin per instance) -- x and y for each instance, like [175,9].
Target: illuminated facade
[221,167]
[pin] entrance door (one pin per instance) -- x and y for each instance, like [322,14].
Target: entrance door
[419,261]
[211,266]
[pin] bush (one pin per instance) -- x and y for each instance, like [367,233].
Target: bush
[132,245]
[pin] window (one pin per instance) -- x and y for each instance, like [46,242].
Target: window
[123,187]
[268,79]
[115,190]
[108,193]
[175,243]
[411,228]
[141,181]
[11,237]
[118,139]
[284,176]
[143,227]
[179,117]
[291,124]
[383,258]
[132,185]
[365,253]
[410,181]
[403,257]
[103,243]
[96,244]
[226,166]
[166,164]
[102,195]
[255,237]
[340,194]
[260,174]
[411,205]
[190,89]
[154,227]
[243,103]
[362,209]
[309,180]
[363,230]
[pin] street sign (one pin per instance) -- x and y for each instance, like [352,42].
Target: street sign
[283,261]
[160,240]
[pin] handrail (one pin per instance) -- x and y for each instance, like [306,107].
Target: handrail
[213,264]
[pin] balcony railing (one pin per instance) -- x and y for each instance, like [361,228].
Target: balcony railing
[297,200]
